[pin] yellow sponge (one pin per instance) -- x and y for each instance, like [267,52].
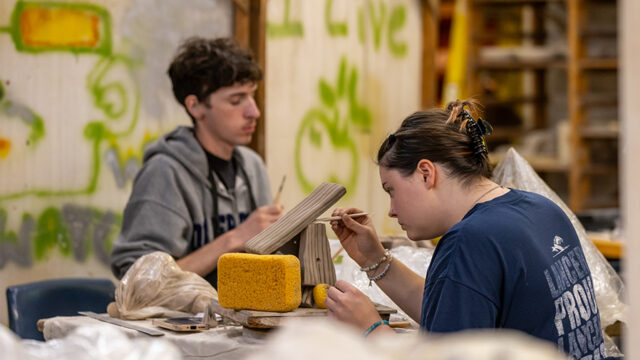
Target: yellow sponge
[259,282]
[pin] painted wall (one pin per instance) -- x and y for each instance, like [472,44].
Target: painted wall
[341,75]
[82,90]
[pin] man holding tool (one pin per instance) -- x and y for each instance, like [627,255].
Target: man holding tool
[201,193]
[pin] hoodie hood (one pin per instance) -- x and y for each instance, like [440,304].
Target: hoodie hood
[182,145]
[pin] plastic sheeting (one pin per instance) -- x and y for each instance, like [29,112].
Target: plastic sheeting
[155,286]
[325,339]
[99,342]
[415,258]
[515,172]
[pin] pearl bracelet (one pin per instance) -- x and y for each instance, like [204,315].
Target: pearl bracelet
[383,273]
[387,254]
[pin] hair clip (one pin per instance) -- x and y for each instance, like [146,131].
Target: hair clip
[476,131]
[485,127]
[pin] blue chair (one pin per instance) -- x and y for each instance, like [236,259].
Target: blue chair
[27,303]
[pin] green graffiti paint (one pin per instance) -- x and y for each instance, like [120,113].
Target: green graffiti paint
[51,233]
[397,21]
[327,124]
[377,22]
[287,28]
[1,90]
[28,116]
[102,45]
[6,235]
[97,132]
[334,28]
[37,129]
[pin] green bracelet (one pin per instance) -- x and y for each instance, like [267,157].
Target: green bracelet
[374,326]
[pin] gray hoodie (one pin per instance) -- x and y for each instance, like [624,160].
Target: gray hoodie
[171,204]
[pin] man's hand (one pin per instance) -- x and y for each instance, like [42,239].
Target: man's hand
[257,221]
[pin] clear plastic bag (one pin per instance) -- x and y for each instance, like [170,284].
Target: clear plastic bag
[155,286]
[415,258]
[100,342]
[515,172]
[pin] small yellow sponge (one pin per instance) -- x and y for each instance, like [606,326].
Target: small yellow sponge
[259,282]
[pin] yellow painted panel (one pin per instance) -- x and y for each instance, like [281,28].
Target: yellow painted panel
[59,27]
[5,147]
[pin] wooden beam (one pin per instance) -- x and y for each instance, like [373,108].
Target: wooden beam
[249,31]
[429,46]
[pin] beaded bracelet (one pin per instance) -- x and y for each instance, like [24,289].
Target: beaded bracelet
[374,326]
[384,257]
[382,273]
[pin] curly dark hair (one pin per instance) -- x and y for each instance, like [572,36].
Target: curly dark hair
[441,136]
[202,66]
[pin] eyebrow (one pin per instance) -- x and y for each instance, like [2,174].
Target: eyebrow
[242,92]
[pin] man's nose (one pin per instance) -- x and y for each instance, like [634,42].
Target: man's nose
[252,111]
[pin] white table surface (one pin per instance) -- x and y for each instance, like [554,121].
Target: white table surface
[222,342]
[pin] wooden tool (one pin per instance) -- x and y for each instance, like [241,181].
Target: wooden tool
[340,217]
[276,199]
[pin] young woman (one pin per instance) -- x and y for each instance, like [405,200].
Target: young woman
[506,259]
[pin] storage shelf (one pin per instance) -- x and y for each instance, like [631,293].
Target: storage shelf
[591,100]
[519,65]
[515,100]
[600,133]
[610,248]
[598,64]
[516,2]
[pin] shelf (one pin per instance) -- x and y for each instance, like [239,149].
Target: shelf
[505,132]
[515,100]
[591,100]
[598,64]
[515,64]
[516,2]
[610,248]
[599,169]
[490,36]
[604,133]
[540,164]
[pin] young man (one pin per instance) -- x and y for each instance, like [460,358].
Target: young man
[200,192]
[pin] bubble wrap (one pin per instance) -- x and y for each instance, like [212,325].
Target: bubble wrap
[515,172]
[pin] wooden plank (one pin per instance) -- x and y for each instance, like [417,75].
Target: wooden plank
[315,256]
[294,221]
[267,319]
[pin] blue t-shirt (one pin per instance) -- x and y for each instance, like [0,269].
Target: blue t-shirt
[514,262]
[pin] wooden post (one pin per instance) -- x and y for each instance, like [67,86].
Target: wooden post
[315,260]
[429,45]
[249,31]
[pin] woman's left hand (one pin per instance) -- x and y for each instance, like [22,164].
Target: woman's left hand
[348,304]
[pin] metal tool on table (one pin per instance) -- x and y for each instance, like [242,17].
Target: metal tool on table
[110,320]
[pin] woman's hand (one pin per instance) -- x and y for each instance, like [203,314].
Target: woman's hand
[348,304]
[357,236]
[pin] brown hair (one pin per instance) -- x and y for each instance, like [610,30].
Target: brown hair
[444,136]
[202,66]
